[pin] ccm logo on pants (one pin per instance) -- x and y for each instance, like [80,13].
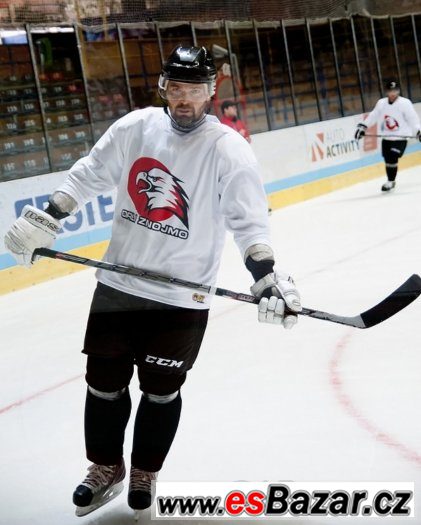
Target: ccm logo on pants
[163,362]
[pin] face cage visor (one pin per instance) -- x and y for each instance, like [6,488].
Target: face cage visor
[163,85]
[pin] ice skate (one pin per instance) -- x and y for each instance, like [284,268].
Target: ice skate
[141,490]
[388,185]
[102,484]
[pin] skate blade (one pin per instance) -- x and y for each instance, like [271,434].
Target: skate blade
[109,495]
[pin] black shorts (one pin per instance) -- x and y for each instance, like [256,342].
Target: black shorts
[392,150]
[123,330]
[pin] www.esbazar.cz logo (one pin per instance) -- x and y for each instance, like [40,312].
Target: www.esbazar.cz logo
[332,144]
[262,500]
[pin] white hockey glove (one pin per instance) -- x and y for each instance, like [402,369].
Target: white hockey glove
[275,290]
[33,229]
[360,131]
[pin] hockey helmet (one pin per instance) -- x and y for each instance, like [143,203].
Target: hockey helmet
[188,64]
[392,85]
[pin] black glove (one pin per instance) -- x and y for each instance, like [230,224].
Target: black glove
[360,131]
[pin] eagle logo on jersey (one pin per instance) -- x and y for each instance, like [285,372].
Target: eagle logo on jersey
[391,123]
[156,193]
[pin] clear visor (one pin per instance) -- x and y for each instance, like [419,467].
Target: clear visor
[173,90]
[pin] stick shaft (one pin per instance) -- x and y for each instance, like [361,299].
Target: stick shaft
[392,304]
[389,136]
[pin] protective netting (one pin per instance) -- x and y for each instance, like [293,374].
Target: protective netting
[100,12]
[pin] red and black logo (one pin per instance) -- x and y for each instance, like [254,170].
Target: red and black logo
[391,123]
[156,193]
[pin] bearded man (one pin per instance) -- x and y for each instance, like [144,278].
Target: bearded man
[182,179]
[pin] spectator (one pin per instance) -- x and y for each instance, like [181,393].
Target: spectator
[230,118]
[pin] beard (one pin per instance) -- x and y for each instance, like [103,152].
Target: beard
[188,116]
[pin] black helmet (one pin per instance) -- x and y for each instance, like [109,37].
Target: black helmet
[188,64]
[392,84]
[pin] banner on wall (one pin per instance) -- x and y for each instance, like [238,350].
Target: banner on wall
[332,144]
[90,224]
[309,148]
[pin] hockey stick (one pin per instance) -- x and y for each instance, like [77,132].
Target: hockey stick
[392,136]
[396,301]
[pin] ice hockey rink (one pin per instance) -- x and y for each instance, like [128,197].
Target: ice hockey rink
[321,402]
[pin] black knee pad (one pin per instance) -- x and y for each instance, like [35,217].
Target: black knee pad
[109,374]
[160,384]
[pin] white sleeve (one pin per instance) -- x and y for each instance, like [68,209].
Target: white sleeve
[412,118]
[244,205]
[99,172]
[373,116]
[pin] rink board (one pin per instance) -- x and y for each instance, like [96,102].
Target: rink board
[297,164]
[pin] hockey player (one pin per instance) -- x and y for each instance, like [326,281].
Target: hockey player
[397,118]
[181,179]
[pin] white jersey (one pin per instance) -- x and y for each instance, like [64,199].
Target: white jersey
[394,119]
[177,193]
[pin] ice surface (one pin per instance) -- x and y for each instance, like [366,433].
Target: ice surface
[321,402]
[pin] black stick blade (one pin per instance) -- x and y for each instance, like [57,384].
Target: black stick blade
[391,305]
[394,303]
